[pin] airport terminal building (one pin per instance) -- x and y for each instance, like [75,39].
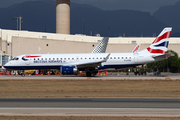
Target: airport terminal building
[14,43]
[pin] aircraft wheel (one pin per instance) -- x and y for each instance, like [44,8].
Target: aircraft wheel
[88,74]
[23,75]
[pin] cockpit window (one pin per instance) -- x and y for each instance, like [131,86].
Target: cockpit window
[15,58]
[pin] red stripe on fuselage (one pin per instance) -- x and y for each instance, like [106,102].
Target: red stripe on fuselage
[164,36]
[31,56]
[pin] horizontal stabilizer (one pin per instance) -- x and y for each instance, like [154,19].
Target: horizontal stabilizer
[162,57]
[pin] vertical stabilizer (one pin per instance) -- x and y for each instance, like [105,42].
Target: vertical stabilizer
[136,49]
[160,44]
[102,45]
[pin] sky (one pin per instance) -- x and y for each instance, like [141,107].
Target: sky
[140,5]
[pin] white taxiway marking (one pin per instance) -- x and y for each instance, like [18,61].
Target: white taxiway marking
[91,111]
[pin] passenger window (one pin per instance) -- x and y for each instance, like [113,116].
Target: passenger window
[126,57]
[45,58]
[34,58]
[100,57]
[122,58]
[41,58]
[114,57]
[68,58]
[49,58]
[57,58]
[53,58]
[118,57]
[97,58]
[38,58]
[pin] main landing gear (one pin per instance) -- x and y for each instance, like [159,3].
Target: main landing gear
[88,74]
[23,74]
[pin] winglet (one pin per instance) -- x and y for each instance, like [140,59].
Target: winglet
[106,57]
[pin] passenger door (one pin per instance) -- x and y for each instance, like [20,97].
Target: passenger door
[135,57]
[27,60]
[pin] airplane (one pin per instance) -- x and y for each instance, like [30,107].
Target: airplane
[136,49]
[92,62]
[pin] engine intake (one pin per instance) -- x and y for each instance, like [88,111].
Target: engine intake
[67,70]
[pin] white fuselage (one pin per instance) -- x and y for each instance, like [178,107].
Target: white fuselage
[55,61]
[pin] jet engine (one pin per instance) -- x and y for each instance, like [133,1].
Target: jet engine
[67,70]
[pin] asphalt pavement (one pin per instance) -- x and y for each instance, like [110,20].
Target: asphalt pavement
[89,103]
[90,106]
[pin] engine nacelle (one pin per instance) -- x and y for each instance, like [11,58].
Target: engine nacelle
[67,70]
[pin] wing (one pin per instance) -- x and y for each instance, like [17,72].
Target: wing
[90,64]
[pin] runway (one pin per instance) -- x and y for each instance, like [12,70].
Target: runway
[89,103]
[90,106]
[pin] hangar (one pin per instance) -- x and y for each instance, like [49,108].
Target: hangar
[14,43]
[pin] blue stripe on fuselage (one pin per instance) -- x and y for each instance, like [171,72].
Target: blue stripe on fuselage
[118,66]
[31,67]
[58,67]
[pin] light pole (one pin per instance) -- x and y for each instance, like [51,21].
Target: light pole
[19,21]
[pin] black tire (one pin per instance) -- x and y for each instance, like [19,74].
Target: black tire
[23,75]
[88,74]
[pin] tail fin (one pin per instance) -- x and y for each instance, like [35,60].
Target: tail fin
[101,47]
[160,44]
[136,49]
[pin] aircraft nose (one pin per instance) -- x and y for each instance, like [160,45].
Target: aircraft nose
[6,65]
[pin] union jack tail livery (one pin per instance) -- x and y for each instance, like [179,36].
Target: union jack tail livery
[160,44]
